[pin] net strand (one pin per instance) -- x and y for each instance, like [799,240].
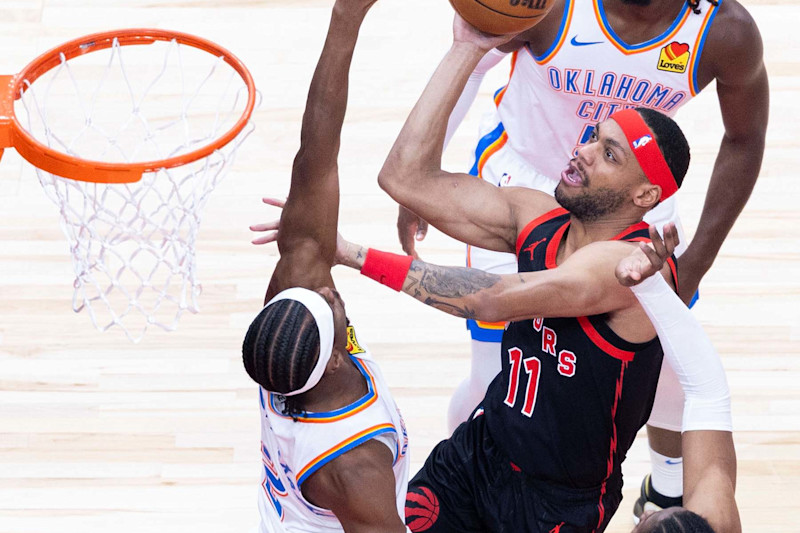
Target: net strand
[133,245]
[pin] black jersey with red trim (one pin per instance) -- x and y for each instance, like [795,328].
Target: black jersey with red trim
[571,394]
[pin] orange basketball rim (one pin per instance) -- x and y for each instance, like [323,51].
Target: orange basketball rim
[14,135]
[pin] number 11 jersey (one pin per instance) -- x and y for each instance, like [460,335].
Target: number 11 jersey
[571,394]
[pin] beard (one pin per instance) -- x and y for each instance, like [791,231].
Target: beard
[590,206]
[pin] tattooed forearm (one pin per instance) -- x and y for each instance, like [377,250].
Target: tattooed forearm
[449,282]
[462,312]
[448,289]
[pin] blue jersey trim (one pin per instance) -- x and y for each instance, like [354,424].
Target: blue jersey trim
[342,451]
[699,50]
[561,29]
[695,297]
[485,142]
[370,395]
[639,46]
[498,91]
[484,335]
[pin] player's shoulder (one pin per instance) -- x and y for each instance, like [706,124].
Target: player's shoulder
[734,22]
[734,40]
[528,204]
[350,474]
[600,251]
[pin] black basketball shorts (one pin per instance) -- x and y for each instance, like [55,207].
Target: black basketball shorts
[468,485]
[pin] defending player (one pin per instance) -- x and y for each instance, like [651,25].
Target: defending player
[709,455]
[576,68]
[581,361]
[333,442]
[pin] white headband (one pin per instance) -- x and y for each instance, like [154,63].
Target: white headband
[323,316]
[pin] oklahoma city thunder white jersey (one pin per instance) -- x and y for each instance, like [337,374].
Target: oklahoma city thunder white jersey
[553,101]
[291,451]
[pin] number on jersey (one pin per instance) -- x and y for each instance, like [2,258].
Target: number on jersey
[533,368]
[271,483]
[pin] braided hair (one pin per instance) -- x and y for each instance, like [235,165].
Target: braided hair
[695,5]
[671,141]
[684,521]
[281,348]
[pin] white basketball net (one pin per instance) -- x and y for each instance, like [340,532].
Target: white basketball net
[133,245]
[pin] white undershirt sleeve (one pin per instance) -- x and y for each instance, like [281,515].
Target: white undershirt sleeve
[490,60]
[691,354]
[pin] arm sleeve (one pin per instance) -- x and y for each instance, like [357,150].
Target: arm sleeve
[690,352]
[490,60]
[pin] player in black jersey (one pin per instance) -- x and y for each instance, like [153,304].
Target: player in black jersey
[581,358]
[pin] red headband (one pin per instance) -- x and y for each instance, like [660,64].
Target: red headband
[645,148]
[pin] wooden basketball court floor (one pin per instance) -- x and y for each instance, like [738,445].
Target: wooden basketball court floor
[98,434]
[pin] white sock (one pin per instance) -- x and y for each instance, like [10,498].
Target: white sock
[667,474]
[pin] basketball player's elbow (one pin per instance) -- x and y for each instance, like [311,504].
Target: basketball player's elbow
[490,305]
[490,311]
[398,178]
[389,178]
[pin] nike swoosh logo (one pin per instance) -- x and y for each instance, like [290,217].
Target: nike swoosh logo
[576,42]
[671,462]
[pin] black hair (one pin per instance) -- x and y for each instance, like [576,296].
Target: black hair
[684,522]
[695,5]
[673,144]
[281,348]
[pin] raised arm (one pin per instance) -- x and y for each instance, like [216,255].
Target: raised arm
[709,458]
[307,240]
[409,225]
[458,204]
[735,58]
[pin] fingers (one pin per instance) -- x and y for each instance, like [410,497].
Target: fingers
[665,247]
[272,227]
[658,244]
[266,226]
[406,235]
[409,227]
[656,261]
[627,272]
[422,229]
[623,275]
[276,202]
[266,239]
[671,237]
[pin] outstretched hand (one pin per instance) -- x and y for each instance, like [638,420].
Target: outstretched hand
[647,259]
[272,226]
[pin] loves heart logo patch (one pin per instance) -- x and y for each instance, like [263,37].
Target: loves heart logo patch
[674,57]
[353,348]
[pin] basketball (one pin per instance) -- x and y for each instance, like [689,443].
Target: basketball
[500,17]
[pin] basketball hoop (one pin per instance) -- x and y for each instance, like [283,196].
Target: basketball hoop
[129,141]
